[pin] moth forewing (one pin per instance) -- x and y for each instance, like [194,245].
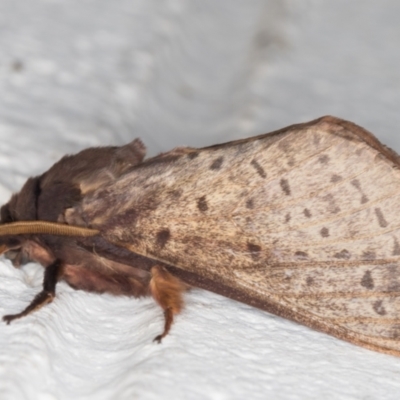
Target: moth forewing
[303,222]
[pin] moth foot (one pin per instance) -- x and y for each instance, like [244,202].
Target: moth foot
[158,338]
[8,318]
[39,301]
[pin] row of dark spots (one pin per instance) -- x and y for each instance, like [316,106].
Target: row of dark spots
[356,183]
[367,282]
[324,232]
[343,254]
[215,165]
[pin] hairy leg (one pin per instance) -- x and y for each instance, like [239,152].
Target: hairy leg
[46,296]
[167,290]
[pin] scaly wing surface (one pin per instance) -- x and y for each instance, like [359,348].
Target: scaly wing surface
[303,222]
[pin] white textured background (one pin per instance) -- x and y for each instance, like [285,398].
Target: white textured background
[182,72]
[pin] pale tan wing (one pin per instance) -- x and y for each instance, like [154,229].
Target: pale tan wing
[304,222]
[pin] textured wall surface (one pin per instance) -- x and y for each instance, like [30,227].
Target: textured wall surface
[179,72]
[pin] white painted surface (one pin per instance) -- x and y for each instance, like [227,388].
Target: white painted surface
[80,73]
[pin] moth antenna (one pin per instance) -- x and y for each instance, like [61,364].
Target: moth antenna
[44,227]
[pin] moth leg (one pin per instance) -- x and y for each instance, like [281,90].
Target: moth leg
[46,296]
[167,290]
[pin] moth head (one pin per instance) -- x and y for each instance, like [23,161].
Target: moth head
[48,196]
[33,212]
[21,207]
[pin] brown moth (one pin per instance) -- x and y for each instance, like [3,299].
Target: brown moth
[303,222]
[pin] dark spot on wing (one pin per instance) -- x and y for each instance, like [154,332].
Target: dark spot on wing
[378,307]
[285,186]
[395,332]
[193,155]
[309,281]
[301,255]
[162,238]
[336,178]
[332,206]
[258,168]
[369,255]
[343,255]
[316,140]
[364,199]
[367,280]
[323,159]
[381,218]
[254,250]
[202,204]
[307,213]
[175,194]
[250,204]
[356,184]
[396,249]
[284,145]
[287,217]
[393,273]
[217,163]
[243,193]
[324,232]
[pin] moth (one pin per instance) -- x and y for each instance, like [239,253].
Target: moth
[303,222]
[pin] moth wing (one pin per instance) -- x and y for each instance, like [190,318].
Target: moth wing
[303,222]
